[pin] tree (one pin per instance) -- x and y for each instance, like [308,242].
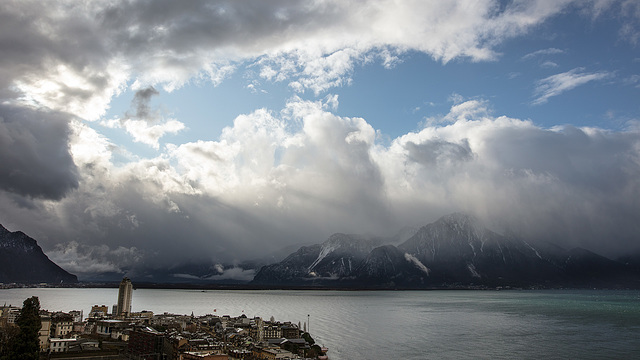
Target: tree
[307,337]
[8,334]
[26,345]
[314,351]
[289,346]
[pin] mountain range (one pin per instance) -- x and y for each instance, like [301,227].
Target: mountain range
[22,261]
[454,251]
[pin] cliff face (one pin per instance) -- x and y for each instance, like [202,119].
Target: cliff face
[22,261]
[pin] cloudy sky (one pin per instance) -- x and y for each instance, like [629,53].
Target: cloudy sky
[166,132]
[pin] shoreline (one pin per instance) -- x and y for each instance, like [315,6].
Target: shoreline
[254,287]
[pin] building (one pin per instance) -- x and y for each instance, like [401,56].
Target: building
[146,344]
[98,311]
[10,314]
[204,355]
[115,329]
[77,315]
[60,345]
[61,325]
[273,354]
[260,330]
[290,331]
[125,292]
[240,354]
[272,332]
[144,314]
[79,327]
[45,330]
[61,329]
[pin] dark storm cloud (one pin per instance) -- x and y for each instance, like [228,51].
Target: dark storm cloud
[600,161]
[436,151]
[141,26]
[34,141]
[32,41]
[576,187]
[141,102]
[34,153]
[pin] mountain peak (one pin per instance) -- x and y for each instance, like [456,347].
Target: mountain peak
[350,241]
[22,261]
[456,250]
[460,218]
[17,239]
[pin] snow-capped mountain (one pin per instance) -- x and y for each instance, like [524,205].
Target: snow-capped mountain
[455,250]
[387,266]
[334,259]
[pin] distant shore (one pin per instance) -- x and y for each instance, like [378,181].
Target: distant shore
[204,287]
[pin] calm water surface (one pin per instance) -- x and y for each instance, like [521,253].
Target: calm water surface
[549,324]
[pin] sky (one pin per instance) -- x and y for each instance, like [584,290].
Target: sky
[160,133]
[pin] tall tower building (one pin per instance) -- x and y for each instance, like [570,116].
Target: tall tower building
[124,298]
[260,326]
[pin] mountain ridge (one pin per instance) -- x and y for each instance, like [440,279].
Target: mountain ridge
[455,250]
[23,261]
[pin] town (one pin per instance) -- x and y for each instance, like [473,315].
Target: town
[123,334]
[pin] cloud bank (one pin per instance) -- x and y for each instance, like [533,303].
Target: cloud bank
[278,177]
[33,152]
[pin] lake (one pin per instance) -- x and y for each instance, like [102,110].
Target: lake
[448,324]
